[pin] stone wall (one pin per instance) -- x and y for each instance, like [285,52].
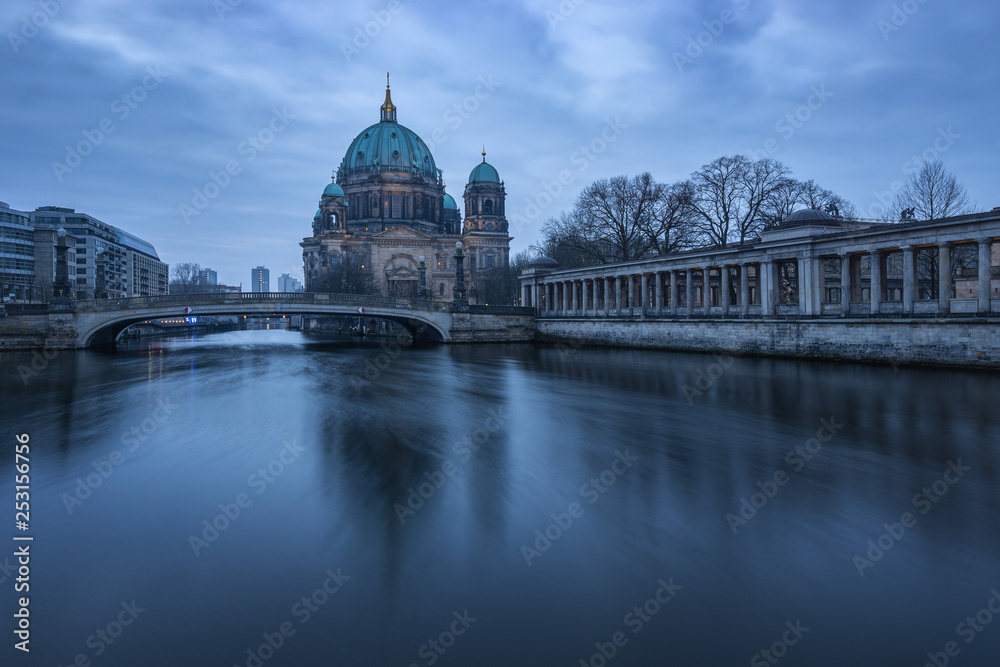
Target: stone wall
[957,342]
[38,331]
[488,328]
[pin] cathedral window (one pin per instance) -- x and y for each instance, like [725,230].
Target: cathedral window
[488,207]
[397,206]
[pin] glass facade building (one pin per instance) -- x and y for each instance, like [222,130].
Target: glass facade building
[17,254]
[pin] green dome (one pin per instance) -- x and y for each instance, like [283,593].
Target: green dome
[394,147]
[319,214]
[333,190]
[484,172]
[449,202]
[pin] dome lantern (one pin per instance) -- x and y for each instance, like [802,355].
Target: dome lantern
[388,108]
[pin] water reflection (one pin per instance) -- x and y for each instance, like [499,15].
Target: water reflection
[425,481]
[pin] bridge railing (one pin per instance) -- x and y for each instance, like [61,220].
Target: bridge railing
[224,298]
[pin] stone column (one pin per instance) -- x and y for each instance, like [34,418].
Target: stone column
[536,296]
[909,278]
[768,289]
[624,282]
[459,300]
[604,296]
[944,279]
[689,291]
[706,291]
[644,290]
[674,293]
[574,303]
[876,283]
[724,289]
[744,289]
[985,258]
[524,294]
[661,302]
[845,284]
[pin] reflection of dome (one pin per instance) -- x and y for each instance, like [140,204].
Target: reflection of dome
[543,262]
[333,190]
[484,172]
[391,146]
[809,216]
[449,202]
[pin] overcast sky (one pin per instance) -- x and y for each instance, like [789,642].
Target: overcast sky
[126,110]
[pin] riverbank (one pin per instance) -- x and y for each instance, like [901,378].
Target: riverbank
[938,342]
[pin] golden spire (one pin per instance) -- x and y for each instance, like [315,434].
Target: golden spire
[484,153]
[388,108]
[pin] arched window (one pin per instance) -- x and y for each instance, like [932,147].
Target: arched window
[488,207]
[441,289]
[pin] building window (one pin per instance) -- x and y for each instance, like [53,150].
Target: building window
[490,261]
[441,289]
[397,206]
[488,207]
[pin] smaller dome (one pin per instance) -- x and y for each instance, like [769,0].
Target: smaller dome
[333,190]
[319,214]
[484,173]
[808,216]
[542,262]
[449,202]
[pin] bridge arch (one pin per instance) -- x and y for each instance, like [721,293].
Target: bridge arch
[100,324]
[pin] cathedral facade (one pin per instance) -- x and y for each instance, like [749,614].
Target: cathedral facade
[387,209]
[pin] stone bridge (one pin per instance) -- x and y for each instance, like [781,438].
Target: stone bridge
[98,322]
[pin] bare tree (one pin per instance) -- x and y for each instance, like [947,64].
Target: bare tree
[556,245]
[499,286]
[611,216]
[732,195]
[185,278]
[793,195]
[346,274]
[671,226]
[932,193]
[621,219]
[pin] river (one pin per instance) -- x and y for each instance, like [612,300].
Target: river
[267,498]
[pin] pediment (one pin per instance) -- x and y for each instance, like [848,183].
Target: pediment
[402,273]
[403,232]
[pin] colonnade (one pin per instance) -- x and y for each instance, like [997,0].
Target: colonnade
[810,281]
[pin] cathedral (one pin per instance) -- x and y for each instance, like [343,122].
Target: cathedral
[387,209]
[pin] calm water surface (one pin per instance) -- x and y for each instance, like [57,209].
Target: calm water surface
[500,505]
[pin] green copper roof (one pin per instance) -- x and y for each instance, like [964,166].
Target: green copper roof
[484,172]
[449,202]
[389,146]
[319,214]
[333,190]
